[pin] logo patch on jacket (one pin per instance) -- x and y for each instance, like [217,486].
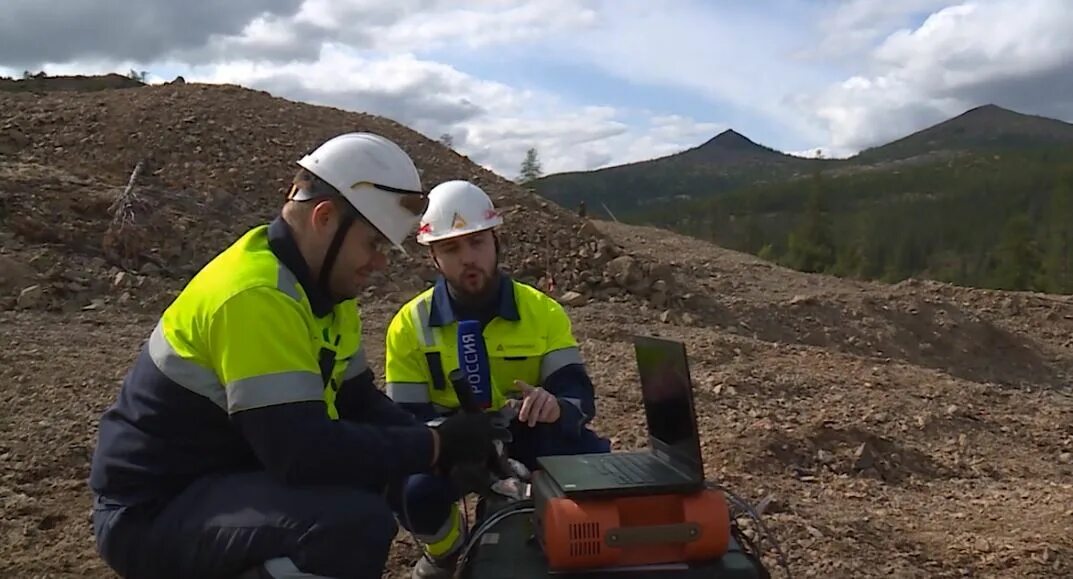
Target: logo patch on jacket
[502,347]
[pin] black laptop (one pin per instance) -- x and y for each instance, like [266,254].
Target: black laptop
[672,462]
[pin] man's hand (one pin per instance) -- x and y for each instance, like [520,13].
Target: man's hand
[464,438]
[537,405]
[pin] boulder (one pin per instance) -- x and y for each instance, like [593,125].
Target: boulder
[573,299]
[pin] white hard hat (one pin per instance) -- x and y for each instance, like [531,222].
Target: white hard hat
[376,176]
[456,208]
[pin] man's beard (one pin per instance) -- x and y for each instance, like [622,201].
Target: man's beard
[488,287]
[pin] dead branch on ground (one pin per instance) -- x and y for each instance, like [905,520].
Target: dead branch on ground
[126,240]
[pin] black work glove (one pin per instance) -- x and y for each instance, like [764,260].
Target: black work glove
[465,438]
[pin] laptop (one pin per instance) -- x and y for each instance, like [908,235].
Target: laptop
[672,462]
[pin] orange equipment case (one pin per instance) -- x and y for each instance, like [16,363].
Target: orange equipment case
[628,530]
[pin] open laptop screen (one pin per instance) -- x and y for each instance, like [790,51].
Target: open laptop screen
[667,393]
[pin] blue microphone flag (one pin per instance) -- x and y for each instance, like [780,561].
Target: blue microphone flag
[473,359]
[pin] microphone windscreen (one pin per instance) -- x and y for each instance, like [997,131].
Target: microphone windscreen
[473,360]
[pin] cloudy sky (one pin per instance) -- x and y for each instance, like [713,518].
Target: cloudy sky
[589,83]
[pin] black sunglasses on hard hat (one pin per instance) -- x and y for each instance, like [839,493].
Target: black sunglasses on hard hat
[415,202]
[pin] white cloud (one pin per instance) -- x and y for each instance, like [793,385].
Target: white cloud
[401,26]
[37,31]
[421,93]
[737,56]
[856,25]
[491,122]
[672,127]
[517,22]
[1014,53]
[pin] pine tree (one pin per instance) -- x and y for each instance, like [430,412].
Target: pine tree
[1017,265]
[768,253]
[752,235]
[531,169]
[715,222]
[810,247]
[1058,260]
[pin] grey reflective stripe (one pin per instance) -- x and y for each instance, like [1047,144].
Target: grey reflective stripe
[419,315]
[270,389]
[358,364]
[556,359]
[287,283]
[242,395]
[408,392]
[184,372]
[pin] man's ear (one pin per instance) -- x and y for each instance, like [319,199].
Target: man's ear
[323,214]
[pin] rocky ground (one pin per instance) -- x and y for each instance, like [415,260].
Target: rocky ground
[913,430]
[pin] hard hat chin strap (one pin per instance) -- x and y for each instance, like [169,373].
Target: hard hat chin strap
[345,221]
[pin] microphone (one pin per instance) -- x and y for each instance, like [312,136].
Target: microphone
[473,360]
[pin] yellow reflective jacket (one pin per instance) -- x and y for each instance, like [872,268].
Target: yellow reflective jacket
[251,367]
[529,338]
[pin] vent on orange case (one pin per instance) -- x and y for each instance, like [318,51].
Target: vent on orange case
[584,539]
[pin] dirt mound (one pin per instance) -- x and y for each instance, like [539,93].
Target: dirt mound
[41,82]
[216,160]
[1014,339]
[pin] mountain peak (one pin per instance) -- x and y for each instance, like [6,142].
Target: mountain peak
[988,110]
[729,139]
[988,107]
[981,127]
[729,145]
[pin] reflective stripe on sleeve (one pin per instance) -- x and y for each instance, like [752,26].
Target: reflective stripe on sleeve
[420,318]
[271,389]
[186,373]
[557,359]
[287,283]
[408,392]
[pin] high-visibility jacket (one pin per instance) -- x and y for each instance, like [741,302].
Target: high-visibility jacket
[251,367]
[528,338]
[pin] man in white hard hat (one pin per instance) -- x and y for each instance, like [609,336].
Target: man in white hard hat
[538,377]
[249,436]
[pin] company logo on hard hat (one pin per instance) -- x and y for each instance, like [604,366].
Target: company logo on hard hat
[458,222]
[425,228]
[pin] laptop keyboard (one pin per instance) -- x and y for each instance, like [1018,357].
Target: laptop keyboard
[626,468]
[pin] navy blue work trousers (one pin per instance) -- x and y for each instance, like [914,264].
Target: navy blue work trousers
[225,525]
[424,500]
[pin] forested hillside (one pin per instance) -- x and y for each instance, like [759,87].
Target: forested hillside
[999,220]
[983,199]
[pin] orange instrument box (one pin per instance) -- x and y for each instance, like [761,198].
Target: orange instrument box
[622,530]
